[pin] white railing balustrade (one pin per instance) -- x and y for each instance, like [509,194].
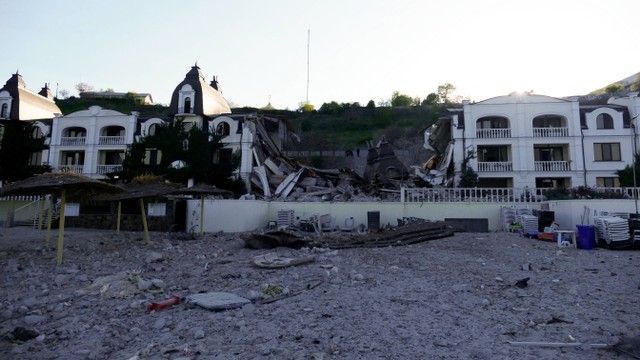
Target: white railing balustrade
[73,140]
[107,169]
[71,168]
[484,195]
[494,166]
[493,133]
[551,166]
[111,140]
[551,132]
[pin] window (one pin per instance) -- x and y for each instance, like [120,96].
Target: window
[606,151]
[223,156]
[604,122]
[608,182]
[187,105]
[36,133]
[152,157]
[223,129]
[153,129]
[3,112]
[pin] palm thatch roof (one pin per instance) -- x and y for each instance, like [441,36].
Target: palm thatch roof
[204,189]
[76,185]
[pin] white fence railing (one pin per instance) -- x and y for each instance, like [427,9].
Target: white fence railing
[111,140]
[107,169]
[494,166]
[551,132]
[73,141]
[484,195]
[71,168]
[551,165]
[493,133]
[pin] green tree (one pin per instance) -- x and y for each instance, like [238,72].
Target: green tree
[306,107]
[398,99]
[18,144]
[614,88]
[83,87]
[431,99]
[445,91]
[371,104]
[626,175]
[195,148]
[468,177]
[636,85]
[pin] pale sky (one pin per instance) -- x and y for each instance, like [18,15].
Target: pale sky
[359,50]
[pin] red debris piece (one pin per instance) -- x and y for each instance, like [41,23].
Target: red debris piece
[154,306]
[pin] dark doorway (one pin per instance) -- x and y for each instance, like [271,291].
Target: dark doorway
[180,217]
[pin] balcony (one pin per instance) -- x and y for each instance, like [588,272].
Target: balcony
[550,132]
[493,133]
[552,166]
[495,166]
[73,140]
[107,169]
[71,168]
[111,140]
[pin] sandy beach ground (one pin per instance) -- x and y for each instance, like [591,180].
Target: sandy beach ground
[449,298]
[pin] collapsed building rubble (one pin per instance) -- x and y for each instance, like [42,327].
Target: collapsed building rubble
[408,231]
[438,170]
[276,176]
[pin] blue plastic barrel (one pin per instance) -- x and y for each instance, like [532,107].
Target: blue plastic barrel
[586,236]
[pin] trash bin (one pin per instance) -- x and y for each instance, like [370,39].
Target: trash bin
[586,236]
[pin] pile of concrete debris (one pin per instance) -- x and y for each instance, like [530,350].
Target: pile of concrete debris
[281,178]
[408,231]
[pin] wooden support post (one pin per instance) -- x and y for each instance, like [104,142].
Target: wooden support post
[144,222]
[49,219]
[61,229]
[201,214]
[118,219]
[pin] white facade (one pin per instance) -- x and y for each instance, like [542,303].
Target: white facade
[92,142]
[535,141]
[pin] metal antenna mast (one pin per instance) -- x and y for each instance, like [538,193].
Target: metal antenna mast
[308,41]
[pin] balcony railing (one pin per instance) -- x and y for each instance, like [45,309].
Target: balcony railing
[73,140]
[111,140]
[552,166]
[493,133]
[551,132]
[71,168]
[484,195]
[107,169]
[495,166]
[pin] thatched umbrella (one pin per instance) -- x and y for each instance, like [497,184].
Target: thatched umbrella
[63,184]
[140,191]
[202,190]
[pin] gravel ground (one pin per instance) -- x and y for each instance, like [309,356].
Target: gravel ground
[450,298]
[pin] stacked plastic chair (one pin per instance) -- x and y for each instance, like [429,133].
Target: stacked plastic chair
[529,222]
[612,229]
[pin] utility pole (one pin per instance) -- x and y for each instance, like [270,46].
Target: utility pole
[308,42]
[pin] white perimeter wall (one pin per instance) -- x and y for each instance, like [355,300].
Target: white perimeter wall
[249,215]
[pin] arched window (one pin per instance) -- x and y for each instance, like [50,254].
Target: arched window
[223,129]
[153,129]
[3,112]
[604,121]
[187,105]
[36,133]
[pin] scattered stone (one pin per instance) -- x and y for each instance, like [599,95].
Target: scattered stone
[153,257]
[217,300]
[33,319]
